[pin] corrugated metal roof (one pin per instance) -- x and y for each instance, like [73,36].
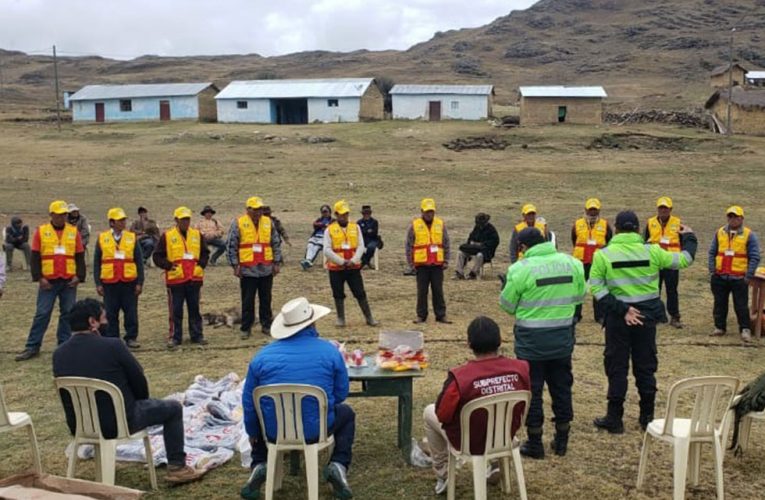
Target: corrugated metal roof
[287,89]
[561,91]
[756,75]
[443,89]
[92,92]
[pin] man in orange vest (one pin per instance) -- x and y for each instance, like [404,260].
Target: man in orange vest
[343,248]
[58,264]
[733,259]
[183,254]
[428,252]
[529,213]
[255,253]
[588,235]
[118,273]
[664,230]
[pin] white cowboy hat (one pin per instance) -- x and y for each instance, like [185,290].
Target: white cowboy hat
[295,315]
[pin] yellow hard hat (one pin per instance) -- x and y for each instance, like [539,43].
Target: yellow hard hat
[528,208]
[58,207]
[182,213]
[341,207]
[428,204]
[664,201]
[254,202]
[592,203]
[735,210]
[116,214]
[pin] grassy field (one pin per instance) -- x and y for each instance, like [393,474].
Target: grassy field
[390,165]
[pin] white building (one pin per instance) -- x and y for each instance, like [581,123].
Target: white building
[440,102]
[755,78]
[300,101]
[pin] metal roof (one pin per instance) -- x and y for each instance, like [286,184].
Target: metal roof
[93,92]
[561,91]
[443,89]
[286,89]
[756,75]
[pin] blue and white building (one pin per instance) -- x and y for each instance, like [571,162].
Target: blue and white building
[442,102]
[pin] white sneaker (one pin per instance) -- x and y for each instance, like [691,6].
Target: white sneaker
[441,485]
[746,335]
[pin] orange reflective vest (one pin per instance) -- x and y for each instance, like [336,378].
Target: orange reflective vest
[255,242]
[589,239]
[184,253]
[428,249]
[345,241]
[667,236]
[57,253]
[117,262]
[732,257]
[522,225]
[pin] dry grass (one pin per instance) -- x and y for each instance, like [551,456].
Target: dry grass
[390,165]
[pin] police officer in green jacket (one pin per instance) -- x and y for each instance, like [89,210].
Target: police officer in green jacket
[624,279]
[542,291]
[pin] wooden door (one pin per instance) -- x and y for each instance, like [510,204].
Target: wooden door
[100,115]
[164,111]
[434,111]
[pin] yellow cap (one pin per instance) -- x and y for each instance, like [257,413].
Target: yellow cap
[664,201]
[182,213]
[592,203]
[341,207]
[735,210]
[428,204]
[58,207]
[528,208]
[254,202]
[116,214]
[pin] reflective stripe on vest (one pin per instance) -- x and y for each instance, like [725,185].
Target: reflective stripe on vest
[57,253]
[428,249]
[668,236]
[589,239]
[522,225]
[255,243]
[732,256]
[345,241]
[184,252]
[117,262]
[632,277]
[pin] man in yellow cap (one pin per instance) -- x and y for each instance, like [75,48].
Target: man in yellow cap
[58,265]
[428,252]
[255,252]
[589,234]
[529,213]
[183,254]
[664,230]
[733,259]
[343,248]
[118,273]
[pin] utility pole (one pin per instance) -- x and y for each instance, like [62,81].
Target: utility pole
[730,81]
[58,99]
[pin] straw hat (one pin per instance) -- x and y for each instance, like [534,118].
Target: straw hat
[295,315]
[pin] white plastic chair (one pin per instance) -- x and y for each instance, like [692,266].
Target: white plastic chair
[745,426]
[686,435]
[82,392]
[500,444]
[288,406]
[10,421]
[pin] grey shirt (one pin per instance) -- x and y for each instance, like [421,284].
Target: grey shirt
[410,244]
[260,270]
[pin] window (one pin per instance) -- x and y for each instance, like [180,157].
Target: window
[126,105]
[455,105]
[241,104]
[332,103]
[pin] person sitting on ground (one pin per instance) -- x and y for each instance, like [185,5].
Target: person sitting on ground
[300,356]
[316,241]
[88,354]
[147,231]
[370,229]
[212,232]
[488,373]
[16,238]
[80,222]
[480,247]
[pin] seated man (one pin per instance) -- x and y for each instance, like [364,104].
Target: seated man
[316,241]
[299,356]
[16,238]
[88,354]
[488,373]
[212,232]
[147,231]
[480,247]
[370,229]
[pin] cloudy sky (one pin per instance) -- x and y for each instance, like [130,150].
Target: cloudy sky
[129,28]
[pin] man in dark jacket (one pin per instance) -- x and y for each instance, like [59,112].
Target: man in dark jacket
[480,247]
[16,238]
[370,229]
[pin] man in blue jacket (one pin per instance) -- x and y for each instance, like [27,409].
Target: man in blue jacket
[299,356]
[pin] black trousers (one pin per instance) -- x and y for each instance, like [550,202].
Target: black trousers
[559,378]
[433,277]
[721,290]
[337,280]
[168,414]
[121,297]
[671,278]
[261,287]
[598,313]
[176,296]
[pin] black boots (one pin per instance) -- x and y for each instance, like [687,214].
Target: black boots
[533,447]
[364,305]
[559,444]
[647,402]
[340,308]
[612,422]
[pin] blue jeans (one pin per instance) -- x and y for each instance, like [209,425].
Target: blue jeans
[46,299]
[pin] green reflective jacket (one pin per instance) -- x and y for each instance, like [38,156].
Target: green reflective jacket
[542,292]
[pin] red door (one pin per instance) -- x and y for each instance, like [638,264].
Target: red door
[434,111]
[164,111]
[99,112]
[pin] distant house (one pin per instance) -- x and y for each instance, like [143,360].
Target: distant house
[300,101]
[439,102]
[755,78]
[144,102]
[558,104]
[720,76]
[747,110]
